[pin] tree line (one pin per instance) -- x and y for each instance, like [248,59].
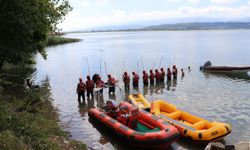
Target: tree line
[25,25]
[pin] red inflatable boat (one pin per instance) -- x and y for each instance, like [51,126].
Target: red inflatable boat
[138,127]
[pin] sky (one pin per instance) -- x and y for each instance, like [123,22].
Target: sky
[89,14]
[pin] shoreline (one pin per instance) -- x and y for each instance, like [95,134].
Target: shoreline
[28,118]
[54,40]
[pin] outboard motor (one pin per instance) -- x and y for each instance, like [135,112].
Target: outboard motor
[208,63]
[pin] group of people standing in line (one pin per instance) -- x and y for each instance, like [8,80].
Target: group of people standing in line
[95,82]
[152,78]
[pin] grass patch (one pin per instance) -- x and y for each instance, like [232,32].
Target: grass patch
[29,121]
[56,40]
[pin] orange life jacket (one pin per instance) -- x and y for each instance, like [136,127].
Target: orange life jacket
[152,76]
[126,79]
[145,78]
[81,87]
[136,78]
[111,81]
[157,76]
[89,84]
[169,74]
[162,74]
[99,83]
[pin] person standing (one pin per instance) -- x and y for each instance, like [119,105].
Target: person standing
[162,75]
[169,74]
[111,82]
[100,84]
[157,76]
[135,80]
[90,87]
[145,78]
[182,73]
[175,72]
[80,90]
[126,80]
[152,77]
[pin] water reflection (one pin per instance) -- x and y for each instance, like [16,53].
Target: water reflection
[145,90]
[84,107]
[234,76]
[15,80]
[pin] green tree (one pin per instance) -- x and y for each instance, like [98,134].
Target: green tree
[24,26]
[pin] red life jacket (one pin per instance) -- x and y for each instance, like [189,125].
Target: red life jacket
[111,81]
[136,78]
[169,74]
[152,76]
[145,78]
[157,76]
[99,83]
[162,75]
[81,87]
[126,79]
[89,84]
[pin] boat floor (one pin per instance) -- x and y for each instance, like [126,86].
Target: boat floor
[142,128]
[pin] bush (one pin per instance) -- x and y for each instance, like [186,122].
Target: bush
[56,40]
[30,122]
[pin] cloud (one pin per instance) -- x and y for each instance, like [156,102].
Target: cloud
[193,1]
[189,1]
[102,2]
[75,21]
[223,1]
[82,3]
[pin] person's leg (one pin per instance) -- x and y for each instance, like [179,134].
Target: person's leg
[92,93]
[88,94]
[79,98]
[110,90]
[101,92]
[83,97]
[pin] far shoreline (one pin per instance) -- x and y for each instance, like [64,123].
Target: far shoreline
[110,31]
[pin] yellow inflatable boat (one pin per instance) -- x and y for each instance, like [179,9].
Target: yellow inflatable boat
[139,100]
[190,126]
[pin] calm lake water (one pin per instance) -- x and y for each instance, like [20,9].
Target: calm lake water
[223,98]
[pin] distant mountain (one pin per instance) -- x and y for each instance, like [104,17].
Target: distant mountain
[121,27]
[201,26]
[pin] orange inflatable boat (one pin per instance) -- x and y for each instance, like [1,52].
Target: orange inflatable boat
[135,126]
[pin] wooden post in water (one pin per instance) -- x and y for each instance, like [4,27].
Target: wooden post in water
[88,65]
[160,62]
[106,68]
[142,63]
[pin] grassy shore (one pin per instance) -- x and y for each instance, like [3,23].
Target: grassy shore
[56,40]
[28,118]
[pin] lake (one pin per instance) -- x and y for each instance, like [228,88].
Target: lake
[223,98]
